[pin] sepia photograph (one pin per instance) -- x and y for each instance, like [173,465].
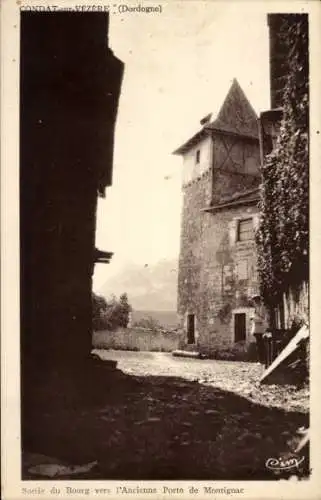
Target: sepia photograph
[164,247]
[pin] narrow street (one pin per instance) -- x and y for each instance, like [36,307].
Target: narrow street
[159,411]
[238,377]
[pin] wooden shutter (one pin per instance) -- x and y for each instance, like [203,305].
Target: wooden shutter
[232,227]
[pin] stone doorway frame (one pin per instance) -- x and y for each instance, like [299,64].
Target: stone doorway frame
[248,311]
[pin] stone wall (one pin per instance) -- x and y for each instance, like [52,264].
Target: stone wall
[217,273]
[136,339]
[197,196]
[191,169]
[279,25]
[212,279]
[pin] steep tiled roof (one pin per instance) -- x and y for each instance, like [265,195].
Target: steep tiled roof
[236,114]
[236,117]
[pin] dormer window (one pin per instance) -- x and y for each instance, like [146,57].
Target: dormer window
[198,156]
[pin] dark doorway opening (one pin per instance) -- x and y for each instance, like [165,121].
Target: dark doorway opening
[240,327]
[191,328]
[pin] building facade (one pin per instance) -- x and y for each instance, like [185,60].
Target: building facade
[217,264]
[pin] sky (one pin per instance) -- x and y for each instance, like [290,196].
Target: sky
[179,66]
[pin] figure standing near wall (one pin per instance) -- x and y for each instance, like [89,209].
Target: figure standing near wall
[258,327]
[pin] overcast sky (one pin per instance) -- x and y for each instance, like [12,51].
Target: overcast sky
[179,66]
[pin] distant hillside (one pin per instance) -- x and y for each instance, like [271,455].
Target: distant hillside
[149,288]
[165,318]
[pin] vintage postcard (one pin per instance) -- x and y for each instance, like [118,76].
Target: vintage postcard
[160,233]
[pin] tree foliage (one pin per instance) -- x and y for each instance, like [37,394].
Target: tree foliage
[99,308]
[149,323]
[282,237]
[110,314]
[124,310]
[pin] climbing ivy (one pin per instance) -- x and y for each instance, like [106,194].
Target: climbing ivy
[282,236]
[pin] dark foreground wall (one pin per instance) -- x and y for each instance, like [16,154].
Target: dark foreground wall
[70,84]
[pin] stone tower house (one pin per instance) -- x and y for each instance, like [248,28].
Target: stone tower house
[217,264]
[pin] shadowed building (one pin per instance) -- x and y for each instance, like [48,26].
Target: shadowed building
[217,265]
[284,139]
[289,45]
[70,86]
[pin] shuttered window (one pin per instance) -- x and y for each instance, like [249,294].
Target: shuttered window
[245,230]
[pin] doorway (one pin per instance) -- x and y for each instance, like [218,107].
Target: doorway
[239,327]
[191,328]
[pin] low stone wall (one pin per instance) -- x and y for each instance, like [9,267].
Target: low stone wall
[136,339]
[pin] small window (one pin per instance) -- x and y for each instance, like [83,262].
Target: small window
[198,156]
[245,230]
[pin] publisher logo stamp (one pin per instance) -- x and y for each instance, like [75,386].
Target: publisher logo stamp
[283,464]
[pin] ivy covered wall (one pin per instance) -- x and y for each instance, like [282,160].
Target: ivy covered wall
[283,235]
